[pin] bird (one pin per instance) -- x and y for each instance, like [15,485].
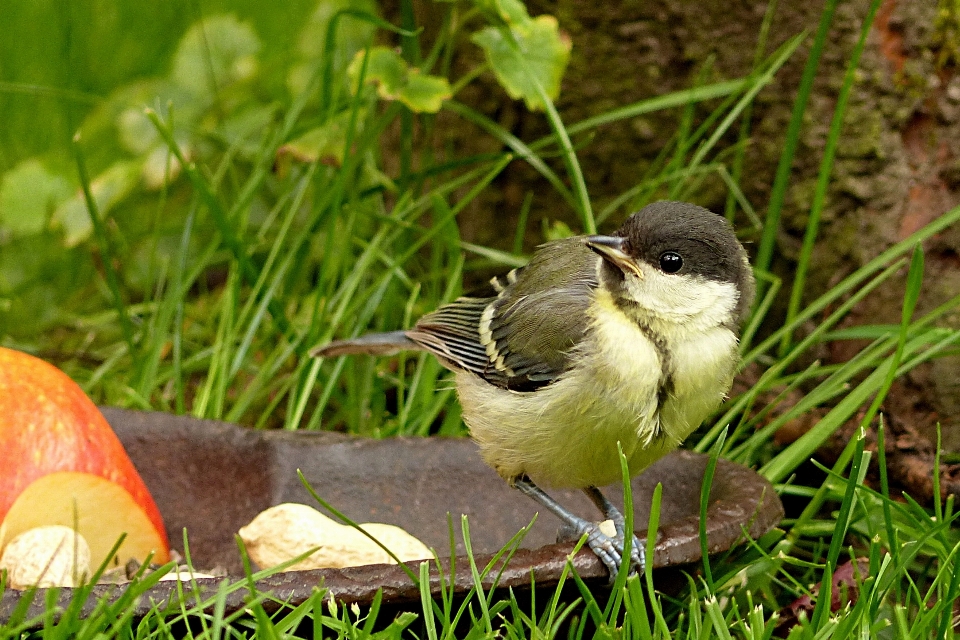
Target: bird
[629,339]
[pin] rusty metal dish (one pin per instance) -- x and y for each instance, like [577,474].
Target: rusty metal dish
[211,478]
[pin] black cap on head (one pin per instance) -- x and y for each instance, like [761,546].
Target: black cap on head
[705,243]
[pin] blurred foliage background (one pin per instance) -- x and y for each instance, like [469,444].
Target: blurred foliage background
[252,179]
[177,182]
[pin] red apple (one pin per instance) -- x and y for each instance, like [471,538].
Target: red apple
[61,463]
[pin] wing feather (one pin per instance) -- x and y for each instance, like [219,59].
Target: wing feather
[521,337]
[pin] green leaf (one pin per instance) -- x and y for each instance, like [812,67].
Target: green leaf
[396,80]
[325,143]
[214,53]
[557,230]
[28,193]
[120,126]
[385,69]
[160,168]
[513,12]
[137,134]
[109,188]
[538,56]
[72,216]
[425,93]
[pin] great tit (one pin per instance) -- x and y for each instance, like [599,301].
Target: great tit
[630,338]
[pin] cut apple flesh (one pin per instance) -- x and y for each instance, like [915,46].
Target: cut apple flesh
[100,510]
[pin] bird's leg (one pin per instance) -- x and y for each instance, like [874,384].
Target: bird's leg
[608,549]
[610,512]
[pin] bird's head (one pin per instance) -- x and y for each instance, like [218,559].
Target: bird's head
[676,264]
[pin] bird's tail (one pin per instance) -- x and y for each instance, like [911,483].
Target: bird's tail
[375,344]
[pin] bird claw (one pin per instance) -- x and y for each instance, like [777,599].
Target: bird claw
[637,547]
[609,549]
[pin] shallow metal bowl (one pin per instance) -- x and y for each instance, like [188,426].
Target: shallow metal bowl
[211,478]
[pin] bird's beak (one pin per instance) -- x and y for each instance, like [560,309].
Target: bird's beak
[610,248]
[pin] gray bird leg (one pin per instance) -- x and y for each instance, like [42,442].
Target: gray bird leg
[609,550]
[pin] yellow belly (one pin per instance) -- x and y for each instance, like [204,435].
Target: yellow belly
[566,433]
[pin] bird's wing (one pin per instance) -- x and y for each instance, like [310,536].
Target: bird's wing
[521,336]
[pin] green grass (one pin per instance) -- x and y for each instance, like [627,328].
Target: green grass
[203,295]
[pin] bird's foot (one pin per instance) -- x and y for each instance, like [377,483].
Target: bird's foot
[638,554]
[637,547]
[608,548]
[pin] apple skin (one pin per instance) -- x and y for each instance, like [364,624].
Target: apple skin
[49,425]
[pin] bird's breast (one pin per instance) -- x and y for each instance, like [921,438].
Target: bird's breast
[625,387]
[566,433]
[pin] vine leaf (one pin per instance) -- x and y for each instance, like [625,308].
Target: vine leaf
[526,52]
[396,80]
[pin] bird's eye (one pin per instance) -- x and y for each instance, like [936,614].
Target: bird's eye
[670,262]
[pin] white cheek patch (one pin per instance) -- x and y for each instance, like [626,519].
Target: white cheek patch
[689,300]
